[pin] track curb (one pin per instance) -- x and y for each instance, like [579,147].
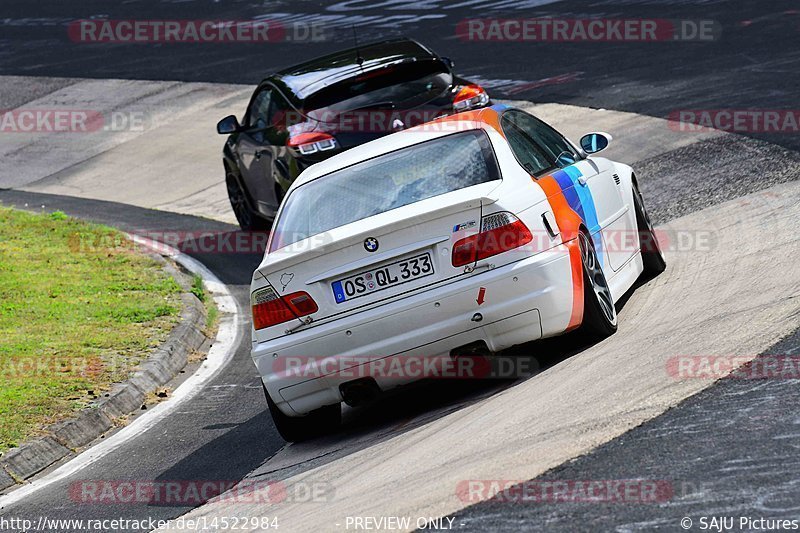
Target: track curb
[64,438]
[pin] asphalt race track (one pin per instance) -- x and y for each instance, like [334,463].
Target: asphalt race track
[752,65]
[602,412]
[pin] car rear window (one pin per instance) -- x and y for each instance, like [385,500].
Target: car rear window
[400,85]
[386,182]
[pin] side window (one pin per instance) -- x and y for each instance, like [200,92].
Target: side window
[531,156]
[557,147]
[269,108]
[281,114]
[258,114]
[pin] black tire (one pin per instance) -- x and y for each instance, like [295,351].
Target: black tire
[599,313]
[652,257]
[247,218]
[315,424]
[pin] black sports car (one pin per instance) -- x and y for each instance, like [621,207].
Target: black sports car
[308,112]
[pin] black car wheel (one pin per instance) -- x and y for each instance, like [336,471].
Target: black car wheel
[248,220]
[652,257]
[315,424]
[599,314]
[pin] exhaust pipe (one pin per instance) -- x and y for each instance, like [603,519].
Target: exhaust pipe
[359,391]
[473,360]
[474,349]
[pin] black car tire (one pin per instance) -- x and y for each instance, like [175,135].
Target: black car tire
[652,257]
[599,313]
[315,424]
[248,219]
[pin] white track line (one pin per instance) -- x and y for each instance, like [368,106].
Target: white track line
[228,337]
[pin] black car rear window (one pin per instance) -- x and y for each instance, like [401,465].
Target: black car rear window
[392,85]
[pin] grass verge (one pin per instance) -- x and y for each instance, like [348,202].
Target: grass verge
[79,309]
[212,313]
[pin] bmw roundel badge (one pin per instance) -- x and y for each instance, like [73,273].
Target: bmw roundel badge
[371,244]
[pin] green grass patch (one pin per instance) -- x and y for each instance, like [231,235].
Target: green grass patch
[212,313]
[79,309]
[197,288]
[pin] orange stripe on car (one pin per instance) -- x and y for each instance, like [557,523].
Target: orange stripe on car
[569,224]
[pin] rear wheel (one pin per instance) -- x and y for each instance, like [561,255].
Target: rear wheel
[652,257]
[314,424]
[247,219]
[599,314]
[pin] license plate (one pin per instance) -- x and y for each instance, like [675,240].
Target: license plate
[380,278]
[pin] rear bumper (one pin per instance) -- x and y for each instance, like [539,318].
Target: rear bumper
[524,301]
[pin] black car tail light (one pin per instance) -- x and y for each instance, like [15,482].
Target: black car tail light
[470,97]
[312,142]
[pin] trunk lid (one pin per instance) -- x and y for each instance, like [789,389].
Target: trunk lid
[381,258]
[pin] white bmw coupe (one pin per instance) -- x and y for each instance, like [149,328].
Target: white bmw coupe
[472,233]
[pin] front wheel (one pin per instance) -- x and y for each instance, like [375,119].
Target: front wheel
[315,424]
[652,257]
[599,313]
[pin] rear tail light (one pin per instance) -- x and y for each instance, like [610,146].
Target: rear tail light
[269,309]
[312,142]
[470,97]
[500,232]
[301,303]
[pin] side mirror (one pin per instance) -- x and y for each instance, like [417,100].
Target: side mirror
[595,142]
[228,125]
[449,62]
